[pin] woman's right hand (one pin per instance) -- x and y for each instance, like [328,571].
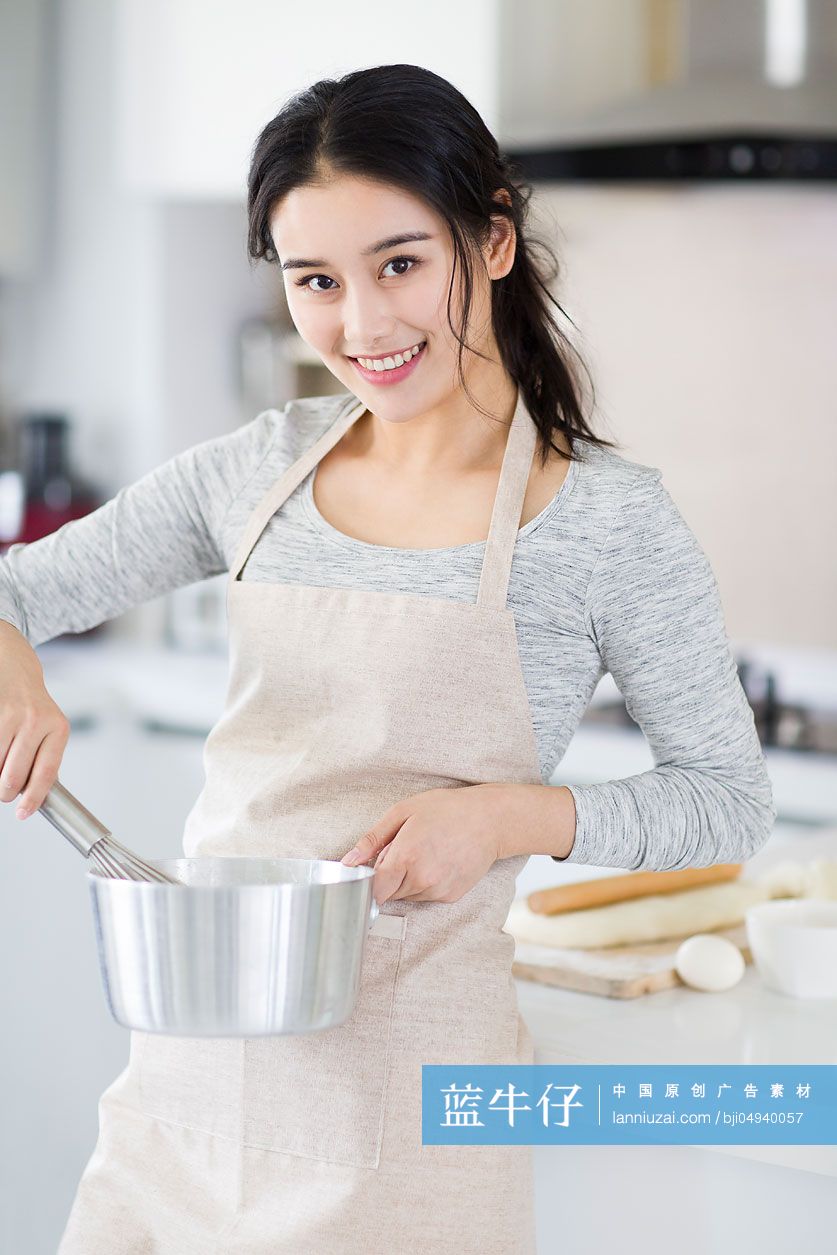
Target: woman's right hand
[33,730]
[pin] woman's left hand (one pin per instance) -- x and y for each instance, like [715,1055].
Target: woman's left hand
[435,846]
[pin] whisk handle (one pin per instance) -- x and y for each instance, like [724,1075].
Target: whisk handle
[72,820]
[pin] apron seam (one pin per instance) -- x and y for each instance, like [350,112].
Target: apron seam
[411,600]
[390,1035]
[270,1150]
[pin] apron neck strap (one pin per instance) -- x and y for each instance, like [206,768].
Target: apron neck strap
[508,508]
[505,516]
[289,482]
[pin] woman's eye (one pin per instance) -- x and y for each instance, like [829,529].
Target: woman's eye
[303,283]
[395,261]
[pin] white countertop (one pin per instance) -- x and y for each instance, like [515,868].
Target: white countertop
[88,678]
[747,1024]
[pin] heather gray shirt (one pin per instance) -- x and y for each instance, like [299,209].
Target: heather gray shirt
[607,578]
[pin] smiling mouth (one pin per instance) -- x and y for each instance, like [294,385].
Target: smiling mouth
[381,357]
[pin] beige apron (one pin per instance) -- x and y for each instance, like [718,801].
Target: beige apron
[340,703]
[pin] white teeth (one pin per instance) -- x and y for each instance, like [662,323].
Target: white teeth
[390,363]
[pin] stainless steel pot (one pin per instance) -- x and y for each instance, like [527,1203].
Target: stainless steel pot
[243,947]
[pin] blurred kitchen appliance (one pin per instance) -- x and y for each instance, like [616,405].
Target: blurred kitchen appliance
[42,493]
[54,494]
[276,365]
[670,89]
[12,503]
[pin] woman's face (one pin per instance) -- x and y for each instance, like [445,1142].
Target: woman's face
[359,294]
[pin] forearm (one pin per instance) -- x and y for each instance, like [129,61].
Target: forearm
[674,817]
[664,819]
[538,819]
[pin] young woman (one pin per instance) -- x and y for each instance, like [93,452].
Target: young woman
[428,575]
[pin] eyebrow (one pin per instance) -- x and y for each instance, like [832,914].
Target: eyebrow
[392,241]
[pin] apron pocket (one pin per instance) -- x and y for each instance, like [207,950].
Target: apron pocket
[321,1095]
[193,1081]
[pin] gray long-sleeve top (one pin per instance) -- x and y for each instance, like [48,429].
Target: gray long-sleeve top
[607,578]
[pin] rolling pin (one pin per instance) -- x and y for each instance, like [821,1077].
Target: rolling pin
[608,889]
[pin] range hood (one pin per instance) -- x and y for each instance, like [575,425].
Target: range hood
[605,90]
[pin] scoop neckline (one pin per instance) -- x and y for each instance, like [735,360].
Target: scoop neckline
[333,534]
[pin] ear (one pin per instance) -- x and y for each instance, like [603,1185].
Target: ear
[501,246]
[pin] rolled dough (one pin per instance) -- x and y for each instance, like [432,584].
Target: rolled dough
[680,914]
[640,919]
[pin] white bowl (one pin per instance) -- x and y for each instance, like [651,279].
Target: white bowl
[794,945]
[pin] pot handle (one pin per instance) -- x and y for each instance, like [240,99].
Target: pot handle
[374,911]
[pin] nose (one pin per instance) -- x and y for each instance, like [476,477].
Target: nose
[366,319]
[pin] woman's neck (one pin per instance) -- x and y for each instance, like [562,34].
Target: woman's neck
[453,438]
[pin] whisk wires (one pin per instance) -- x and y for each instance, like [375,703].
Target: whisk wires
[92,839]
[120,863]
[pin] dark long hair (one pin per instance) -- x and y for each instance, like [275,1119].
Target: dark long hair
[411,128]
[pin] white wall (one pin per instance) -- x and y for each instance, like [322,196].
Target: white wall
[708,314]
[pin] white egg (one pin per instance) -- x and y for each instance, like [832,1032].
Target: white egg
[709,963]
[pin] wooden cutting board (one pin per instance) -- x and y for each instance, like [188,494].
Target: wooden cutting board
[612,971]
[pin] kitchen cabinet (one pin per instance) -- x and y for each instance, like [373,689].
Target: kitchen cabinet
[197,82]
[24,54]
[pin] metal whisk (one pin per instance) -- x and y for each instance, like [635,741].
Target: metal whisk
[96,842]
